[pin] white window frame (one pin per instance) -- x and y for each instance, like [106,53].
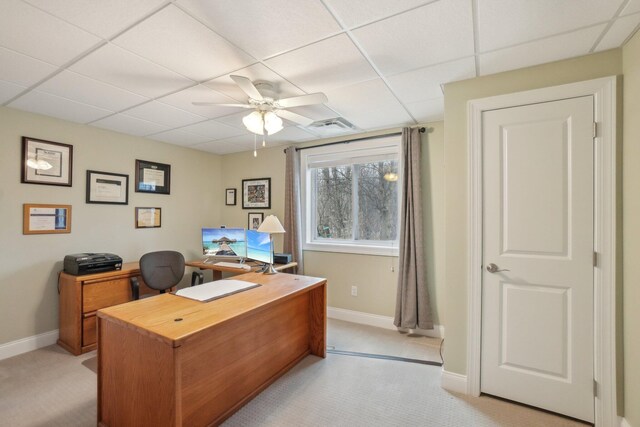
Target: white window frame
[333,155]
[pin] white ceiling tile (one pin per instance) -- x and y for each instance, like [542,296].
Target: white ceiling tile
[200,93]
[508,22]
[435,33]
[116,66]
[174,40]
[619,31]
[632,7]
[179,137]
[219,148]
[430,110]
[424,83]
[21,69]
[55,106]
[234,119]
[28,30]
[379,110]
[357,12]
[130,125]
[265,28]
[213,130]
[79,88]
[164,114]
[102,18]
[547,50]
[315,112]
[8,90]
[328,64]
[255,73]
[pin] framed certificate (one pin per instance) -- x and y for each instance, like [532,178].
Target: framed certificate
[108,188]
[152,177]
[46,162]
[46,219]
[230,197]
[148,217]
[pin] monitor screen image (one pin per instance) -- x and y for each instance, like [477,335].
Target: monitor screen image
[259,247]
[224,242]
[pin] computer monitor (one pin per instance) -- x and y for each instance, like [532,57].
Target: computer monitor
[224,243]
[259,247]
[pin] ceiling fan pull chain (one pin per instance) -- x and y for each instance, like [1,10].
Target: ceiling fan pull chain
[255,152]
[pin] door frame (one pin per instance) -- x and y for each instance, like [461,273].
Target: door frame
[603,91]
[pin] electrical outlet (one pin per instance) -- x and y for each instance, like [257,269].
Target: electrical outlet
[354,291]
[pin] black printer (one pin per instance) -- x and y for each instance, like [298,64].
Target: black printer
[79,264]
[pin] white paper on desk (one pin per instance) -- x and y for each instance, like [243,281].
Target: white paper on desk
[214,290]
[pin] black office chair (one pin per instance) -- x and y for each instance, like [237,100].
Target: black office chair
[162,270]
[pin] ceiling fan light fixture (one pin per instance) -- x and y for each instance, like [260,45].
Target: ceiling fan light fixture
[272,123]
[254,123]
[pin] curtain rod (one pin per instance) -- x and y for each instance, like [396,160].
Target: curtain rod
[364,138]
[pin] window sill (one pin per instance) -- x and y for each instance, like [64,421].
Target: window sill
[351,249]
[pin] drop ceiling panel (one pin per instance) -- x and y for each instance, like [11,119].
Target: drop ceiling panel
[184,100]
[265,28]
[430,110]
[213,130]
[540,52]
[30,31]
[9,90]
[424,83]
[235,120]
[179,137]
[619,31]
[219,148]
[55,106]
[504,23]
[315,112]
[116,66]
[431,34]
[130,125]
[357,12]
[328,64]
[164,114]
[102,18]
[174,40]
[79,88]
[380,109]
[21,69]
[632,7]
[256,72]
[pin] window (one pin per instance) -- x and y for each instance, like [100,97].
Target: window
[352,196]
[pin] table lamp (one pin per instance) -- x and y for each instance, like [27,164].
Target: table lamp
[272,226]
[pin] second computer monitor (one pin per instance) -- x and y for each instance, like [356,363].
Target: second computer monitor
[259,247]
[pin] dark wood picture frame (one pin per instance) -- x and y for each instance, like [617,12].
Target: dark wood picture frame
[148,217]
[46,219]
[230,198]
[153,177]
[252,217]
[256,193]
[103,186]
[56,157]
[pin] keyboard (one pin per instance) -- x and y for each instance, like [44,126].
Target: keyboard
[233,265]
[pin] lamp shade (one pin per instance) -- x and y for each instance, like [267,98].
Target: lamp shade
[271,225]
[254,123]
[272,123]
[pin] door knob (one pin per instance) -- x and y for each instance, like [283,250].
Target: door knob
[492,268]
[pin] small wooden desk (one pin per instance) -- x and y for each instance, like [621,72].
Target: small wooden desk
[217,270]
[173,361]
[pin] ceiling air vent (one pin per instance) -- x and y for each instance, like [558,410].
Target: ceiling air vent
[331,126]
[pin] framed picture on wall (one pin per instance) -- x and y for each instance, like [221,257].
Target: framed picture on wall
[148,217]
[230,197]
[46,162]
[46,219]
[255,219]
[256,193]
[107,188]
[153,177]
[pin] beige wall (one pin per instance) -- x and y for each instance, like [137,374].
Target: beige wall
[29,264]
[631,226]
[372,274]
[457,95]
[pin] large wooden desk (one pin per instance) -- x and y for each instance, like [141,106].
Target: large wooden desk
[172,361]
[217,270]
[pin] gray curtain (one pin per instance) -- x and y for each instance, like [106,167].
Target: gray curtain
[292,209]
[412,303]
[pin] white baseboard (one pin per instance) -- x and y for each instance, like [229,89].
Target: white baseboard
[376,320]
[456,383]
[624,422]
[24,345]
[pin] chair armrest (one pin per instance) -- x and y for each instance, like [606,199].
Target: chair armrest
[135,288]
[198,277]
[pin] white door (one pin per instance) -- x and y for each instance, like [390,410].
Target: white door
[537,314]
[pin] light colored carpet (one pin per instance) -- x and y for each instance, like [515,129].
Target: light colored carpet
[49,387]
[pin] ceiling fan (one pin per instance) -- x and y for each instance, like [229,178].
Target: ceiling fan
[268,109]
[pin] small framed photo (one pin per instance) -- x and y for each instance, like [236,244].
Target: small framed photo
[255,219]
[46,162]
[230,197]
[148,217]
[46,219]
[107,188]
[256,193]
[152,177]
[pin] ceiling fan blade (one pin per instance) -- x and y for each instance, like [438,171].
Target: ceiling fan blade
[296,118]
[247,87]
[214,104]
[297,101]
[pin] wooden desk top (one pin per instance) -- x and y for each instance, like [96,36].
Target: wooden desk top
[254,266]
[156,316]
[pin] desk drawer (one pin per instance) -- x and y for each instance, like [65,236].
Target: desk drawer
[105,294]
[89,330]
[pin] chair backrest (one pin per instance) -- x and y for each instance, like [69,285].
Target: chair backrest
[162,270]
